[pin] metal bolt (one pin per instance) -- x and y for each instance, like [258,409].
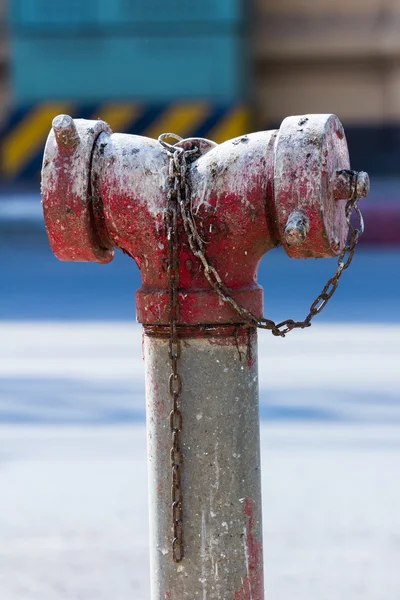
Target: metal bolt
[66,133]
[297,228]
[363,185]
[344,182]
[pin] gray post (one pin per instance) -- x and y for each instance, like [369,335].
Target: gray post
[221,482]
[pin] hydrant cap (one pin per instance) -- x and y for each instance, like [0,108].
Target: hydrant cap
[311,151]
[66,193]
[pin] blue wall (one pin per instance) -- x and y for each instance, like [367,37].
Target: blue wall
[148,50]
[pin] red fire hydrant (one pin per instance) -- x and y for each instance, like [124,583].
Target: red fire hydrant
[197,218]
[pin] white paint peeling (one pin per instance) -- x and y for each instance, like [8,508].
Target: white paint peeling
[231,168]
[216,466]
[246,559]
[138,165]
[204,197]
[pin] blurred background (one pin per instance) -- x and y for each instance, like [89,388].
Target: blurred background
[72,436]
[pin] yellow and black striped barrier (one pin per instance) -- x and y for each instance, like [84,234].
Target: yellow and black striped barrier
[23,136]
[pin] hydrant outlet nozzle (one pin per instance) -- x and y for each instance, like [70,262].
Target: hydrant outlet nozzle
[312,172]
[69,212]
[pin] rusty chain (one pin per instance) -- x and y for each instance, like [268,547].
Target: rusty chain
[176,195]
[179,201]
[284,327]
[278,329]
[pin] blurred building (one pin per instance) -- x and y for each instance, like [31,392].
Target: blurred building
[144,67]
[333,56]
[213,68]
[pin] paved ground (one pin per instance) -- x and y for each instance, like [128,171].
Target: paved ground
[73,524]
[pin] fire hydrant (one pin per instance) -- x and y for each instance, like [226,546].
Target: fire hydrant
[197,218]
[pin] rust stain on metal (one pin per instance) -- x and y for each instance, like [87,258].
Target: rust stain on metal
[214,332]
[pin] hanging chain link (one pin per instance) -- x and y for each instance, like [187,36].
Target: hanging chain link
[285,327]
[179,205]
[279,329]
[176,196]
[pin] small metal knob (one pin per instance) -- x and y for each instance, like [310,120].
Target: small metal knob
[297,228]
[345,181]
[66,133]
[363,185]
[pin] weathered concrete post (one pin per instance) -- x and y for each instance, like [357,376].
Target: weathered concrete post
[197,219]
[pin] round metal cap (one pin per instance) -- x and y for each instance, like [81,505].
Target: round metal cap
[66,190]
[310,152]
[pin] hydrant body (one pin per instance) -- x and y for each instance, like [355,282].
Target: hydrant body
[103,190]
